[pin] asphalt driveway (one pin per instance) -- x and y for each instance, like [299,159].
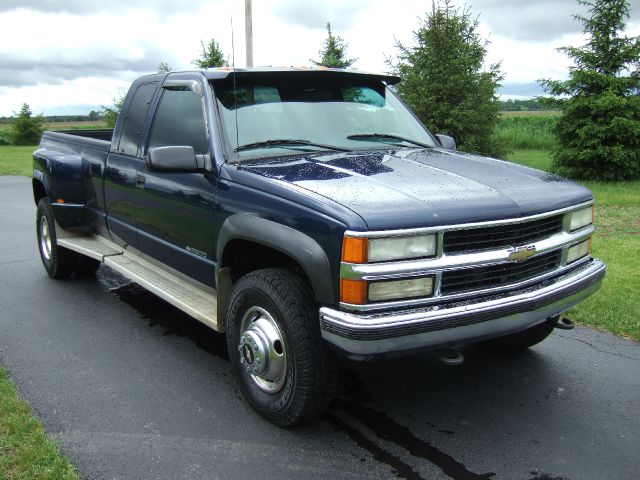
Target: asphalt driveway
[132,388]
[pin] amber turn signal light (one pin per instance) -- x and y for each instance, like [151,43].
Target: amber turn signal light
[353,291]
[354,250]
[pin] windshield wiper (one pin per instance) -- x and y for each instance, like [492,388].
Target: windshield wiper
[386,136]
[285,142]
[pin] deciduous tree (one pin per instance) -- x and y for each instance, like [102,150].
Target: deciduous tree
[599,129]
[444,80]
[110,112]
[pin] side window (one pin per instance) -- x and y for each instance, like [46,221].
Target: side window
[179,121]
[134,120]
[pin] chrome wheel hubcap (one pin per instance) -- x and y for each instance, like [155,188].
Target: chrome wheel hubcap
[262,351]
[45,238]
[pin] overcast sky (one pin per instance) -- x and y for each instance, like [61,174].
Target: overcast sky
[71,56]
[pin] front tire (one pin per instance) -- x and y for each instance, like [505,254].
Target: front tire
[58,262]
[273,335]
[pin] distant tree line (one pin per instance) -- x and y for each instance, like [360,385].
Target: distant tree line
[93,116]
[530,105]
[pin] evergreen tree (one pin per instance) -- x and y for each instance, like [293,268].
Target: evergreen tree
[444,83]
[26,129]
[334,52]
[599,129]
[211,56]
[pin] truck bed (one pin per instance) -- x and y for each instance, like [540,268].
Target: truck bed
[97,139]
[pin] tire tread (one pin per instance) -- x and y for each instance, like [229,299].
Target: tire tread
[316,374]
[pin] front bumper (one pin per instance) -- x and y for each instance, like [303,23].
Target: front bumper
[362,335]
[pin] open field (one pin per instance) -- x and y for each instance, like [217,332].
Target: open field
[529,113]
[533,132]
[93,125]
[25,451]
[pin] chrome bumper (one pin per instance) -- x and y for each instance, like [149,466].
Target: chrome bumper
[371,334]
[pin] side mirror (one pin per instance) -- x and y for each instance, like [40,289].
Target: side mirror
[447,142]
[173,159]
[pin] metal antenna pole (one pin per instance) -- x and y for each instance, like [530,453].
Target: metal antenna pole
[248,31]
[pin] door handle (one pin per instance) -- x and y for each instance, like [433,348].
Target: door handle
[140,179]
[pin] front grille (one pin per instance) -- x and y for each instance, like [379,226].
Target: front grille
[501,236]
[480,278]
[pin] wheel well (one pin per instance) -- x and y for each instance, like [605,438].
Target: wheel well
[244,256]
[38,190]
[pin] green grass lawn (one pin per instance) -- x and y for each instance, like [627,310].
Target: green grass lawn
[539,159]
[615,308]
[25,451]
[16,160]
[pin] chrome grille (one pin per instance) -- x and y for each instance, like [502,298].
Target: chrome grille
[501,236]
[480,278]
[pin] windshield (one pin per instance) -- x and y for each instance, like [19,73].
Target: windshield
[314,114]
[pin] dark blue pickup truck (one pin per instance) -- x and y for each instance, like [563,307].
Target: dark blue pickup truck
[309,214]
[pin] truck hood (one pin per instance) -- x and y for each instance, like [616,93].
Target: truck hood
[405,188]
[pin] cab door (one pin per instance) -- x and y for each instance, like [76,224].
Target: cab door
[121,168]
[174,210]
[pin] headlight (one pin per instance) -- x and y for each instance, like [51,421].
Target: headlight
[401,248]
[581,218]
[578,251]
[394,290]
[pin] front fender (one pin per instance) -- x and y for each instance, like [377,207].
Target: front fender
[293,243]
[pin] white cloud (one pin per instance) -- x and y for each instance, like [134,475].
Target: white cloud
[86,56]
[44,98]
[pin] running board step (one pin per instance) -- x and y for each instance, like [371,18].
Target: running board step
[191,297]
[94,247]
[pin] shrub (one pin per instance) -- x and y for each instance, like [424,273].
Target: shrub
[26,129]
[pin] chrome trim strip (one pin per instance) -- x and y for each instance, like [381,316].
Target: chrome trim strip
[387,270]
[463,226]
[474,332]
[437,298]
[395,331]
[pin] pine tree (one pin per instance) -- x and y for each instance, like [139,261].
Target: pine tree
[444,82]
[164,67]
[211,56]
[26,129]
[599,129]
[334,52]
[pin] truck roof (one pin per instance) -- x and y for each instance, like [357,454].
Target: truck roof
[220,73]
[224,72]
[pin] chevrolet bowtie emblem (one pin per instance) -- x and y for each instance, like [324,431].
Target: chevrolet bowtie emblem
[520,254]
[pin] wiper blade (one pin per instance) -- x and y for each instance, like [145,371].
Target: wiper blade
[387,136]
[285,142]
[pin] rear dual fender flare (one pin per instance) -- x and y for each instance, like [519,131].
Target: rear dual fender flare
[293,243]
[39,180]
